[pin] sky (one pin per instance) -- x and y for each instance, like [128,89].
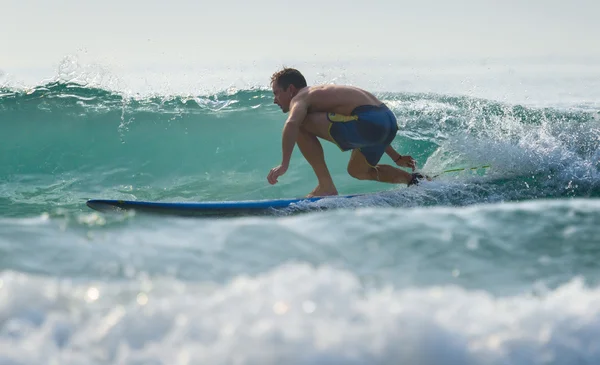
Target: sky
[38,35]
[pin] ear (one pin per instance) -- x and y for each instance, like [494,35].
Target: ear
[293,89]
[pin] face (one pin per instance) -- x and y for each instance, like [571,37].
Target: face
[283,97]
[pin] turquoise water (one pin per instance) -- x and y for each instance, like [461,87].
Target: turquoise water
[487,266]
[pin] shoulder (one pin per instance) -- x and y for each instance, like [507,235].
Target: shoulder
[303,96]
[330,89]
[317,92]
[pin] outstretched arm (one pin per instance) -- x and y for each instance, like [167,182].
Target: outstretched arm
[291,128]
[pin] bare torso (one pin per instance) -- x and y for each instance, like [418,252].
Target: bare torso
[339,99]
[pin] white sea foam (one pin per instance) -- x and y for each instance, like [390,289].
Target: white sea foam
[294,314]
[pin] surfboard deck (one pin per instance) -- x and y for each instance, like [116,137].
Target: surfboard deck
[218,208]
[212,208]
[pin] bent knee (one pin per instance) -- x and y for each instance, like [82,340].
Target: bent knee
[362,173]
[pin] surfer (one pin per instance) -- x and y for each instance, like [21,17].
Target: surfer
[347,116]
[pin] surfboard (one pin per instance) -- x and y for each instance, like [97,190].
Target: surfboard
[212,208]
[229,208]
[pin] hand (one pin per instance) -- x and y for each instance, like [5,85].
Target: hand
[275,173]
[406,161]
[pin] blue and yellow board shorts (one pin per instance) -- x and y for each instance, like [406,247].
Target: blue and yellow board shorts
[369,128]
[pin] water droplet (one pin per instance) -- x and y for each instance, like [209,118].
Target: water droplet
[142,299]
[92,294]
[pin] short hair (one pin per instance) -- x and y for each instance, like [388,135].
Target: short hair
[288,76]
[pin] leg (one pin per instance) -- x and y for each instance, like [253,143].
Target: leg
[316,125]
[359,168]
[312,151]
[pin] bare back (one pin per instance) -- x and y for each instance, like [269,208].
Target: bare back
[339,99]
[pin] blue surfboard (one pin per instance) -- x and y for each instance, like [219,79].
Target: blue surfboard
[214,208]
[234,208]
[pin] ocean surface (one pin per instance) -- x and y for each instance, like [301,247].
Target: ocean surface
[496,265]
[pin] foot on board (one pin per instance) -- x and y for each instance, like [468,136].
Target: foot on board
[318,191]
[416,178]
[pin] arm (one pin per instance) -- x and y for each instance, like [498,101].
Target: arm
[403,161]
[392,153]
[298,112]
[290,130]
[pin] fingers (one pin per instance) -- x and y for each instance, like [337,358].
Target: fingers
[407,161]
[412,164]
[272,177]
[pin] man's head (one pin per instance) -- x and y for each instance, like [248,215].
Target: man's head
[286,84]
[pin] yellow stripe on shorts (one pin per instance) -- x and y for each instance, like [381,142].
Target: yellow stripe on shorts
[341,118]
